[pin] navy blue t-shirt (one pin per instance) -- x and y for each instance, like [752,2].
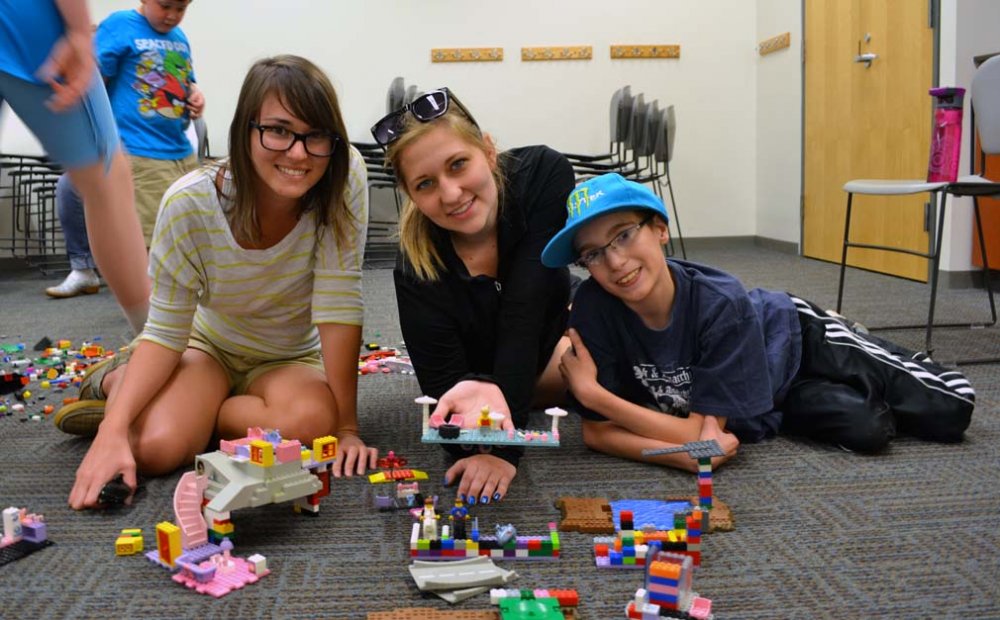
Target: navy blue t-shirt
[725,352]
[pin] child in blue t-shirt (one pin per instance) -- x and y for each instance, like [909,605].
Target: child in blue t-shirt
[145,60]
[667,351]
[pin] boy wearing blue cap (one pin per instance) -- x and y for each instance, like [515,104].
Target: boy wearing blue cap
[669,351]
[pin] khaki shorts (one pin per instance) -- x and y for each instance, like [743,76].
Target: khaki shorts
[152,178]
[243,371]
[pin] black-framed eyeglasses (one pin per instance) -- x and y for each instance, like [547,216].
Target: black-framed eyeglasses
[281,139]
[425,108]
[624,238]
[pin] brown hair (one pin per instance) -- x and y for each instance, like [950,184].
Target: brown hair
[415,228]
[306,92]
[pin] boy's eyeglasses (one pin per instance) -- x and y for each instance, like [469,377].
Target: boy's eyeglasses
[281,139]
[424,108]
[596,256]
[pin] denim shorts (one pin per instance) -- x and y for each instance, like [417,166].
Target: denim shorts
[80,136]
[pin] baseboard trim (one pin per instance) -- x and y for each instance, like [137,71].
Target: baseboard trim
[785,247]
[968,279]
[714,243]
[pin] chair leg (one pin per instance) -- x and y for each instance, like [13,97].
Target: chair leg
[843,255]
[935,264]
[986,263]
[677,220]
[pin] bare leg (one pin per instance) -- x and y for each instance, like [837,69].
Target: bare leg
[178,423]
[551,388]
[115,235]
[294,399]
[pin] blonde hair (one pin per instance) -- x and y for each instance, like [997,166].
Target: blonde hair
[416,229]
[306,92]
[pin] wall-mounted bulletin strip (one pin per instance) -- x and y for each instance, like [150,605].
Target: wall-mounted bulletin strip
[645,51]
[467,54]
[774,44]
[572,52]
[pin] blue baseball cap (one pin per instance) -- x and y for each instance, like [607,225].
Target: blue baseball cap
[591,199]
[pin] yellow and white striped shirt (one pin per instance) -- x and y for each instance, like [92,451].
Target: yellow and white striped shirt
[256,303]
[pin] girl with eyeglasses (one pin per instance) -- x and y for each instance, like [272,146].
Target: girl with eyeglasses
[256,268]
[482,318]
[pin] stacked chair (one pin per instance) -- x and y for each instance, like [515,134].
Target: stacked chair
[27,190]
[381,246]
[641,148]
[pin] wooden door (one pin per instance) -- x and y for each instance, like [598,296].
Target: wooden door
[867,122]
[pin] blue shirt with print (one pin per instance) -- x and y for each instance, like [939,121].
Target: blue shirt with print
[726,352]
[149,76]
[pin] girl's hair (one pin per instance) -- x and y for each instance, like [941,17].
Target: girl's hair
[306,92]
[415,229]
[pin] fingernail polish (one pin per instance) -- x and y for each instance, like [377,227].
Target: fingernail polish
[485,499]
[472,500]
[445,481]
[461,497]
[496,496]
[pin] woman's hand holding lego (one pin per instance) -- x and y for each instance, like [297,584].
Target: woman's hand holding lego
[468,398]
[485,478]
[109,455]
[353,456]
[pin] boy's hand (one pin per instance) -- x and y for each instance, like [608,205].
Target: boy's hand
[485,478]
[195,101]
[109,456]
[469,397]
[69,69]
[353,456]
[578,368]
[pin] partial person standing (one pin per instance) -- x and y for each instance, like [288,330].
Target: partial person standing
[48,76]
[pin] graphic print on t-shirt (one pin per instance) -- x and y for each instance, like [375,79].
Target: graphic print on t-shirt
[162,78]
[671,388]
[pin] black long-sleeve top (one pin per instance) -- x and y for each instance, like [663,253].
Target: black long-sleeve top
[504,329]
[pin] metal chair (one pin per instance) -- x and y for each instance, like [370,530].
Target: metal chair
[985,92]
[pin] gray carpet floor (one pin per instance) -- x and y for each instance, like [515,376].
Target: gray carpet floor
[820,533]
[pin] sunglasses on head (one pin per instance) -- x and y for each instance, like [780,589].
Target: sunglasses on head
[425,108]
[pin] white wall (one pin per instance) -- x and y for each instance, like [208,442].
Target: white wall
[968,28]
[363,44]
[779,123]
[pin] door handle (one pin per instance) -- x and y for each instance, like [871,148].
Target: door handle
[866,58]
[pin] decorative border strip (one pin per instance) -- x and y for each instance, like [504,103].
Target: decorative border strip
[774,44]
[571,52]
[624,52]
[467,54]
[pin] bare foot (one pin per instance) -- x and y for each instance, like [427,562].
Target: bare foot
[728,441]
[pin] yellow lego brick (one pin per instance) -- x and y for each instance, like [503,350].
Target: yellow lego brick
[261,453]
[324,448]
[128,545]
[168,542]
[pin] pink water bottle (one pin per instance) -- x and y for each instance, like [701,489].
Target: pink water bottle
[946,141]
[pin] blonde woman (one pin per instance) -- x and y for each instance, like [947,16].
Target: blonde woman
[482,318]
